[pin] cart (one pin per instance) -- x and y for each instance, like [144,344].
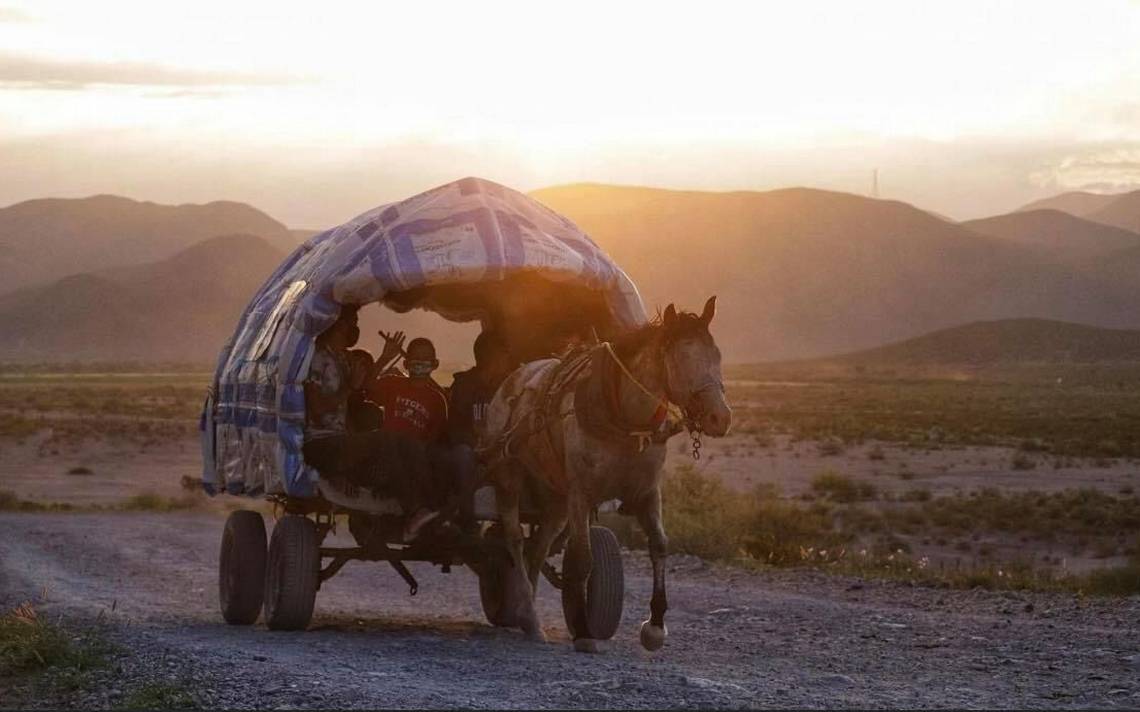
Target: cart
[468,250]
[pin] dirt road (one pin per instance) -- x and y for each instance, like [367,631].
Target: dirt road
[787,639]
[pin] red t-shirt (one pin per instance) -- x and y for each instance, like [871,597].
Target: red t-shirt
[416,407]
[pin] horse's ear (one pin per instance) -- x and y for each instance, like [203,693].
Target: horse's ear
[709,312]
[670,315]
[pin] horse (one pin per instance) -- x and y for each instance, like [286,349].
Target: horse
[578,431]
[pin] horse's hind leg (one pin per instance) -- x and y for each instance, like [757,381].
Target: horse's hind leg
[519,591]
[538,548]
[576,565]
[653,631]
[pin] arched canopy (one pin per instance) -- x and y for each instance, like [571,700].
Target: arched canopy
[468,250]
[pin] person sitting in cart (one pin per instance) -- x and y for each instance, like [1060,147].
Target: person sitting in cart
[415,409]
[471,393]
[330,446]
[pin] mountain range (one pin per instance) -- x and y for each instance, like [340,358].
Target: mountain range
[182,308]
[804,272]
[46,239]
[1010,341]
[799,272]
[1117,210]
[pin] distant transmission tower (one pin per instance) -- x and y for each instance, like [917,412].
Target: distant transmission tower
[875,183]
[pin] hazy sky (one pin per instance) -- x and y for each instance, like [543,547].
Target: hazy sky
[966,108]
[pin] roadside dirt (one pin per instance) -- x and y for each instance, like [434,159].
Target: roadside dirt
[738,639]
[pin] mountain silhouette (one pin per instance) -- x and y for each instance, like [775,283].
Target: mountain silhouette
[1077,202]
[179,309]
[46,239]
[803,272]
[1007,341]
[1057,235]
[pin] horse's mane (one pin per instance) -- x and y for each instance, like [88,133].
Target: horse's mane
[630,342]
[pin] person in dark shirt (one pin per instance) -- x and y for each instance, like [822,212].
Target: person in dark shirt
[471,394]
[473,389]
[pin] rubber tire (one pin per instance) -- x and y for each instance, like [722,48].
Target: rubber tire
[493,584]
[241,567]
[605,590]
[292,573]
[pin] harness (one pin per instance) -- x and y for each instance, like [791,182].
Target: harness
[595,375]
[598,404]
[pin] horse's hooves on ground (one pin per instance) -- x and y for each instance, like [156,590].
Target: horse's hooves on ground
[536,635]
[653,637]
[585,645]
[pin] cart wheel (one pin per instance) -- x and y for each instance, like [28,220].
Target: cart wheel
[493,584]
[292,573]
[241,567]
[605,591]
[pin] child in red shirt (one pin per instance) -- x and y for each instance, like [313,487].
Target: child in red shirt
[415,406]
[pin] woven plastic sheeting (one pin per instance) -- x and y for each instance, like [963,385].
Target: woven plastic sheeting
[470,232]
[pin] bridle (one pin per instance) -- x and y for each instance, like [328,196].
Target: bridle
[687,403]
[683,406]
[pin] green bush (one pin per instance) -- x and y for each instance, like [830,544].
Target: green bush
[29,643]
[702,517]
[781,533]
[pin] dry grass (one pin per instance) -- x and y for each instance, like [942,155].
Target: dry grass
[9,502]
[151,502]
[29,643]
[706,519]
[1064,411]
[142,502]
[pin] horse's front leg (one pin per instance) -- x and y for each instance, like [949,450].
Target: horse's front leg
[519,591]
[653,631]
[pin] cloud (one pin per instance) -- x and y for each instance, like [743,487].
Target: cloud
[11,14]
[27,72]
[1116,168]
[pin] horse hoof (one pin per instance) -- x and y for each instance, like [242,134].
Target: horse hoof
[536,635]
[653,637]
[585,645]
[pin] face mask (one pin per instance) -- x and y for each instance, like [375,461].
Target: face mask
[420,369]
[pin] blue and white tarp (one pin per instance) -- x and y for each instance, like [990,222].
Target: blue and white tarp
[470,231]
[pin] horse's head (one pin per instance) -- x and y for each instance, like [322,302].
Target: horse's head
[692,369]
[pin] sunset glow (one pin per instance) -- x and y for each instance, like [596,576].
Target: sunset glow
[1042,94]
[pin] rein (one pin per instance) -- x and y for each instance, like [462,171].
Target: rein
[679,413]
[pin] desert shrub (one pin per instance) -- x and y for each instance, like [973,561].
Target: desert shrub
[918,494]
[830,447]
[10,502]
[842,488]
[781,533]
[1114,581]
[1020,461]
[190,484]
[151,502]
[702,516]
[80,470]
